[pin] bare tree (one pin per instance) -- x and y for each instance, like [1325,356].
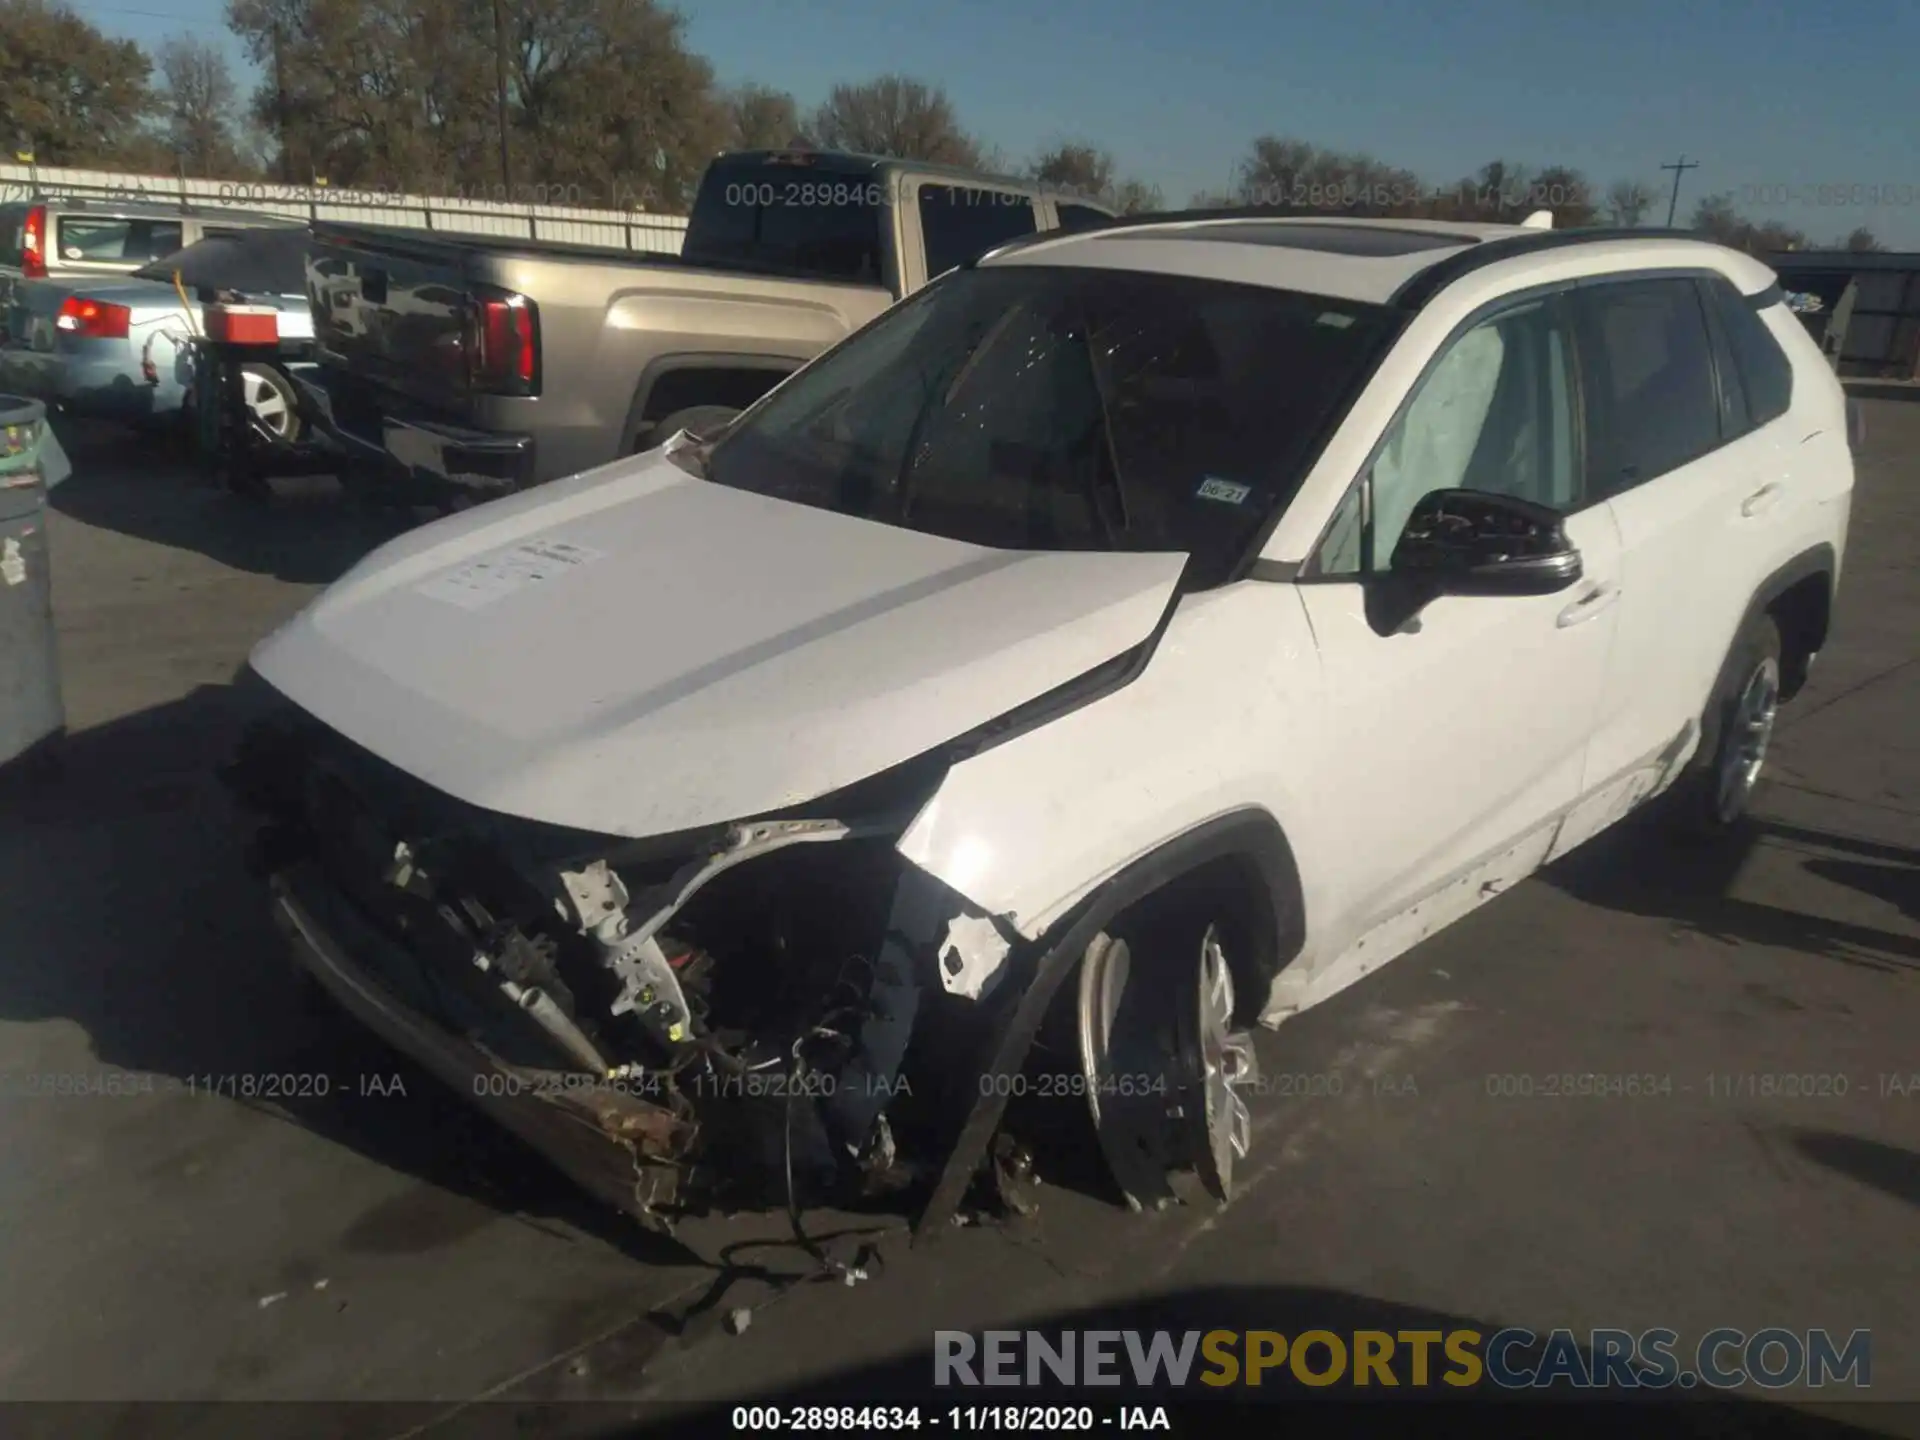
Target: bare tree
[896,116]
[1565,192]
[1717,218]
[1861,239]
[1295,175]
[1076,168]
[1628,201]
[761,118]
[199,103]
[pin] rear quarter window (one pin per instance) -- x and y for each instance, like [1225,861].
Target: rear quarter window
[1766,374]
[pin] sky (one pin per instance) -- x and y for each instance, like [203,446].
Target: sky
[1804,112]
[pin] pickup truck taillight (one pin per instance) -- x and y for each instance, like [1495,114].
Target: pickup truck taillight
[504,347]
[92,319]
[33,244]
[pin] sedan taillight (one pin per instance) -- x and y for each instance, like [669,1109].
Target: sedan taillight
[503,347]
[92,319]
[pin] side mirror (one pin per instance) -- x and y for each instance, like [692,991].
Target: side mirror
[1470,542]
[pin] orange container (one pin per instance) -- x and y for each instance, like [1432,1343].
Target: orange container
[243,324]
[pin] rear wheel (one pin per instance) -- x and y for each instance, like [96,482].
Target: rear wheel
[1714,795]
[272,402]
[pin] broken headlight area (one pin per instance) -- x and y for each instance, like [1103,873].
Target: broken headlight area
[781,1011]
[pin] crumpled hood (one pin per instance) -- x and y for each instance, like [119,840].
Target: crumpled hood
[635,651]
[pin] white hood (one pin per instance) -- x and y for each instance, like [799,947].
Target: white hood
[634,651]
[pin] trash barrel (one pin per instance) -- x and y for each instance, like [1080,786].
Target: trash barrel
[31,464]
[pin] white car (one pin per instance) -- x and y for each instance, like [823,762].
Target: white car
[1148,631]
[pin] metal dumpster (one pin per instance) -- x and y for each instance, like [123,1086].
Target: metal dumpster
[31,464]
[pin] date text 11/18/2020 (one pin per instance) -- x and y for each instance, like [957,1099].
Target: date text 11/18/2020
[844,1419]
[234,1085]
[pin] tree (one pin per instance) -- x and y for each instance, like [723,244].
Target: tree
[896,116]
[1294,175]
[1716,217]
[760,118]
[1861,239]
[1075,168]
[609,98]
[1565,192]
[68,94]
[198,102]
[1628,201]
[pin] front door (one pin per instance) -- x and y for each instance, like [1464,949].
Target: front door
[1463,733]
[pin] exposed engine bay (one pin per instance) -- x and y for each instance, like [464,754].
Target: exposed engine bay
[783,1010]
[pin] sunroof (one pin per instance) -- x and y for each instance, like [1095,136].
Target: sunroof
[1362,240]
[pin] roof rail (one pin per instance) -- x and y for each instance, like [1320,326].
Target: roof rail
[1422,287]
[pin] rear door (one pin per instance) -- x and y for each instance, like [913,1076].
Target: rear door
[13,224]
[1672,453]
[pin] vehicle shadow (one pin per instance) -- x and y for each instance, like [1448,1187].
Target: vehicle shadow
[1640,868]
[144,486]
[1886,1168]
[1437,1407]
[126,910]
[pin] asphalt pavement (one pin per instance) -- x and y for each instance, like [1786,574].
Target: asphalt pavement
[182,1241]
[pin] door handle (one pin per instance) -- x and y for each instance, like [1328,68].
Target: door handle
[1588,605]
[1762,499]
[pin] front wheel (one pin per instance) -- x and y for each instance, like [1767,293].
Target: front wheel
[1167,1071]
[1716,792]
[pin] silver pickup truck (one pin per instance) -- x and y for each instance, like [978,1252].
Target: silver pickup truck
[458,367]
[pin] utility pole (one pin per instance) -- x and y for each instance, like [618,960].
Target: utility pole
[500,99]
[1677,167]
[280,106]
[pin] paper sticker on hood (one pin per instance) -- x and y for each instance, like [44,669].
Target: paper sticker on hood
[492,577]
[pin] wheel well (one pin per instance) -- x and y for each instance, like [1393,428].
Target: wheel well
[733,386]
[1802,612]
[1262,930]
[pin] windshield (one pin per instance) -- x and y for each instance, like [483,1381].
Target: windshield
[1035,408]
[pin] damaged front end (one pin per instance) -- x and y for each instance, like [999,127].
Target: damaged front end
[777,1011]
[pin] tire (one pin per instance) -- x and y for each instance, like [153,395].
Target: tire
[273,401]
[1714,794]
[701,419]
[1166,1067]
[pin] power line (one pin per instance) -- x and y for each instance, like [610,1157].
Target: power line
[1677,166]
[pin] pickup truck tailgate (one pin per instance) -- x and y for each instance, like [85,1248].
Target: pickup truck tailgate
[392,310]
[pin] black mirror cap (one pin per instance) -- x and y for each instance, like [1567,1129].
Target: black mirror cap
[1473,542]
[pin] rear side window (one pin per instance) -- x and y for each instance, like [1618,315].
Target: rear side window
[1766,375]
[89,237]
[963,222]
[1651,402]
[13,224]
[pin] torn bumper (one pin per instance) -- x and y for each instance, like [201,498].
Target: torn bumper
[619,1147]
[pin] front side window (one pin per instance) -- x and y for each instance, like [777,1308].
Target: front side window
[1039,408]
[960,223]
[1495,412]
[1652,406]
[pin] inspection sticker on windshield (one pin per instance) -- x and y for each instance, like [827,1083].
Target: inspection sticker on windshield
[1214,488]
[481,582]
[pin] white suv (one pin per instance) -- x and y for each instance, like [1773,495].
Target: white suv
[1197,612]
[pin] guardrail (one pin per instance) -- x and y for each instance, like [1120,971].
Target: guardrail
[574,224]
